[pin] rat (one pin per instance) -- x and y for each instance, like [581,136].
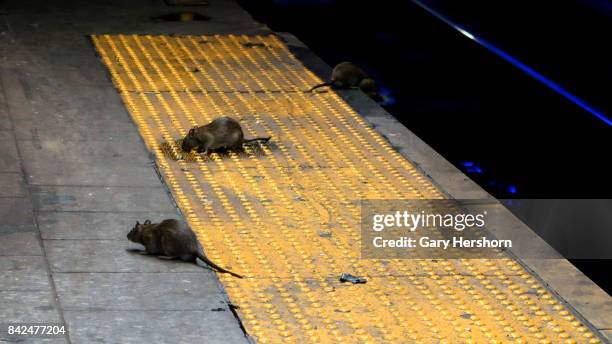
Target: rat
[221,133]
[348,75]
[171,239]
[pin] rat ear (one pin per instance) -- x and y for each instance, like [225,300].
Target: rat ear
[147,222]
[191,132]
[137,223]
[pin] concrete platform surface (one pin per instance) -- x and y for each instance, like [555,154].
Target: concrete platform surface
[74,178]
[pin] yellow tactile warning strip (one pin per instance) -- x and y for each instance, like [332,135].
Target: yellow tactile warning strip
[287,215]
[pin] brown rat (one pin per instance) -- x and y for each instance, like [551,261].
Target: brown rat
[349,75]
[221,133]
[171,239]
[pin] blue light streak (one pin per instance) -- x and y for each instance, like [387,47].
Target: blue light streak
[526,69]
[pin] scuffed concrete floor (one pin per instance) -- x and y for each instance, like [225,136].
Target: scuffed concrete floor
[75,176]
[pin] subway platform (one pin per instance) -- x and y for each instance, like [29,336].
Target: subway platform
[92,99]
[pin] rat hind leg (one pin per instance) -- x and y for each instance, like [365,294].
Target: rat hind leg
[188,258]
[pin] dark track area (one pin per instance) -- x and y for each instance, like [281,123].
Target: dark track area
[510,133]
[524,139]
[564,40]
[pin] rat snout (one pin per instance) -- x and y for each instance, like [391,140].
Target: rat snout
[188,144]
[185,146]
[131,235]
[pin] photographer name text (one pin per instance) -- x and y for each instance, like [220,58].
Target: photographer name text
[426,242]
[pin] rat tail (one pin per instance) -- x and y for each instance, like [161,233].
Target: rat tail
[262,139]
[205,259]
[321,85]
